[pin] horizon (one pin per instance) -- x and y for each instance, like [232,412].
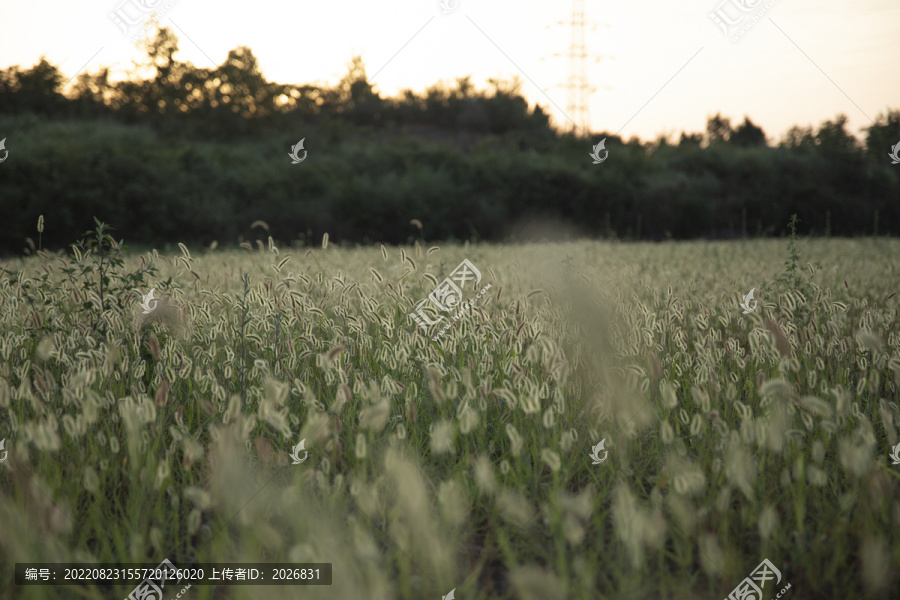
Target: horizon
[790,46]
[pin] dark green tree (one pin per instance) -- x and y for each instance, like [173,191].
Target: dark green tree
[748,135]
[833,138]
[718,129]
[37,90]
[799,137]
[883,135]
[690,139]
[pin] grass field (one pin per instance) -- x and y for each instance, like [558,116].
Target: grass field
[462,463]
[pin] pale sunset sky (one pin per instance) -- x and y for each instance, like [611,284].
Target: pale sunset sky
[657,66]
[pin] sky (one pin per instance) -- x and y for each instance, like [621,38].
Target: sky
[655,66]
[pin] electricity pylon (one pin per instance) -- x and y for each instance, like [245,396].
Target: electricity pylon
[577,85]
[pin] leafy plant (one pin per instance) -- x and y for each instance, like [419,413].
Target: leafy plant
[793,278]
[98,281]
[99,268]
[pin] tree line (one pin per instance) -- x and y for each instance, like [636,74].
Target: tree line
[196,154]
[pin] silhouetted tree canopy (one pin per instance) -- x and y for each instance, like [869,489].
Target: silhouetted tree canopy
[185,153]
[748,135]
[718,129]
